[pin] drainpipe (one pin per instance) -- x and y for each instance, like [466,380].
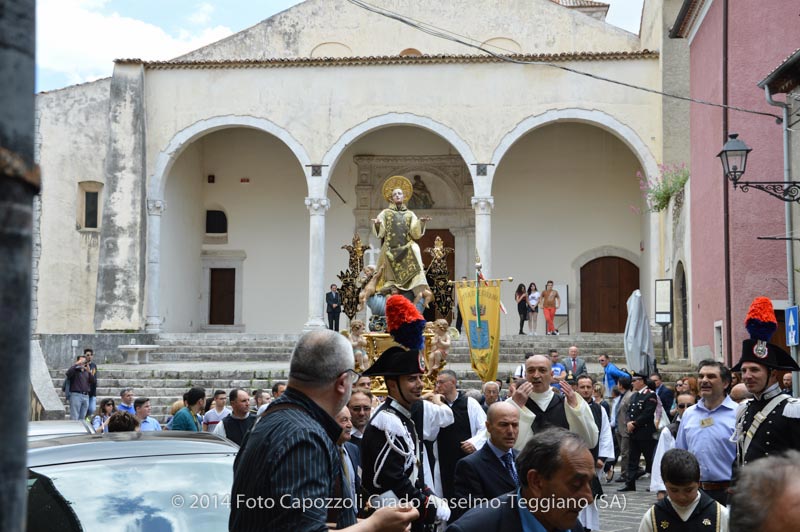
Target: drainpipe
[726,211]
[787,176]
[19,182]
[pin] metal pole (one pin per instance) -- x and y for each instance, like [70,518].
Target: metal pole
[19,182]
[787,176]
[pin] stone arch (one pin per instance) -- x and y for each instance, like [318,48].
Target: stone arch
[680,313]
[156,187]
[505,44]
[592,117]
[157,182]
[588,256]
[331,158]
[331,49]
[453,187]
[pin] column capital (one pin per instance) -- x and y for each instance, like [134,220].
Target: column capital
[317,206]
[483,205]
[156,207]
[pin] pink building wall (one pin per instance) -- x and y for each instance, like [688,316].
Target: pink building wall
[760,36]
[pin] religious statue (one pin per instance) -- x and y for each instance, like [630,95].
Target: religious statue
[440,343]
[356,336]
[439,277]
[400,261]
[422,197]
[350,287]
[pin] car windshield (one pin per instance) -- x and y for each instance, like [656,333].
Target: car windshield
[164,493]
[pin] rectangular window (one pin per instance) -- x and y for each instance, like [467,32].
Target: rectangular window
[90,212]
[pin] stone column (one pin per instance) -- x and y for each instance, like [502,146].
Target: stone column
[121,275]
[316,263]
[483,231]
[155,208]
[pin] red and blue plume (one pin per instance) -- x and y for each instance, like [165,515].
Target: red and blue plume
[760,321]
[404,322]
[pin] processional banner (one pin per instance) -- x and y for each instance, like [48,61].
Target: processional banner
[479,304]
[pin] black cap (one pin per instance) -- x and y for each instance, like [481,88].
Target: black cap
[637,375]
[396,362]
[766,354]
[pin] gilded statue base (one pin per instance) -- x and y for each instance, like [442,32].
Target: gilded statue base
[377,343]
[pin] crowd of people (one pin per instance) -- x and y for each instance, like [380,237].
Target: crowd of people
[536,456]
[561,434]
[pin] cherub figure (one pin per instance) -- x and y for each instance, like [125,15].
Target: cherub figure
[440,344]
[359,343]
[367,282]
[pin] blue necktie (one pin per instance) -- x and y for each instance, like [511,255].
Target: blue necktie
[508,461]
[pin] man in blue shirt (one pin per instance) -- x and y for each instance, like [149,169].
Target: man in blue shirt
[559,370]
[706,429]
[555,472]
[611,375]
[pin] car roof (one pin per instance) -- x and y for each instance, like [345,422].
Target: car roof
[121,445]
[59,426]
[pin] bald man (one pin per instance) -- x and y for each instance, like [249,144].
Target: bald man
[489,472]
[540,408]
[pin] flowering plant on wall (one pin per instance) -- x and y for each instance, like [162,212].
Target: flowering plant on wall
[657,192]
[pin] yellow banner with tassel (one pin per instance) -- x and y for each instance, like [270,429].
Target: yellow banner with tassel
[479,304]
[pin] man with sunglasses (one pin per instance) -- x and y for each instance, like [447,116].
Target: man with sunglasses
[288,473]
[706,429]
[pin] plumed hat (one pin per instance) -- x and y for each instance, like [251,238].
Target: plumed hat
[405,324]
[761,324]
[396,362]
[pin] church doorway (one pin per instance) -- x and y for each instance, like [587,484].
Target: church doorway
[223,296]
[606,285]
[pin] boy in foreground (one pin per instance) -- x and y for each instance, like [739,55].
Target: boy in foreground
[685,507]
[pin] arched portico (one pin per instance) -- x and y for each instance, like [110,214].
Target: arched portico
[630,139]
[157,183]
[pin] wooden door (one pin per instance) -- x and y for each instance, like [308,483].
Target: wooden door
[426,242]
[606,285]
[223,296]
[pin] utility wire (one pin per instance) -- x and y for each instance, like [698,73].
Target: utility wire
[460,39]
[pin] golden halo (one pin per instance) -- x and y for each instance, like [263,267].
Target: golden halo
[400,182]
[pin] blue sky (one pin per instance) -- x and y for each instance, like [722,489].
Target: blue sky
[77,40]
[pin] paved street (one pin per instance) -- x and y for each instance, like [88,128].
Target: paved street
[623,511]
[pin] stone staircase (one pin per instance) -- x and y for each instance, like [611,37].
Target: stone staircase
[225,361]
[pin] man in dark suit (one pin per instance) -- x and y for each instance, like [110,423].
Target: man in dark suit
[555,465]
[350,455]
[333,306]
[489,472]
[665,395]
[575,365]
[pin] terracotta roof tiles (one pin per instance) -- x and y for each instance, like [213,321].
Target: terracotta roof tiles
[387,60]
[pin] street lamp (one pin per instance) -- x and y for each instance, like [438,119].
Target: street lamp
[734,158]
[734,162]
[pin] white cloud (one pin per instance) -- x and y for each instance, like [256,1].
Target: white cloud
[74,39]
[202,15]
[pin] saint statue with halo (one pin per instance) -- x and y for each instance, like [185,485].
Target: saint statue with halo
[400,261]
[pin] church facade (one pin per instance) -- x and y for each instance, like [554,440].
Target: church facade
[214,192]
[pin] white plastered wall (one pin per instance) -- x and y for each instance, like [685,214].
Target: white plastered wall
[72,131]
[182,228]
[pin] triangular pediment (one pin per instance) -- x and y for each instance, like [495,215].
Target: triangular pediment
[326,28]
